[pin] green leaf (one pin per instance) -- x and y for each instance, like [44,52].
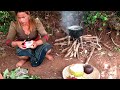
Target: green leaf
[105,18]
[6,73]
[23,77]
[17,69]
[12,74]
[94,17]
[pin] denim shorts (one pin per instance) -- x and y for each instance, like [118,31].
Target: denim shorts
[36,55]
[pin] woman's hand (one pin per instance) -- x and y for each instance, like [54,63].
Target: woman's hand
[36,43]
[20,44]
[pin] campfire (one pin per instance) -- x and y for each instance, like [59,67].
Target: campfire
[74,47]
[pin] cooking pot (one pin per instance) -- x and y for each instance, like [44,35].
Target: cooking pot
[75,31]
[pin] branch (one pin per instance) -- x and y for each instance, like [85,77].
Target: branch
[114,43]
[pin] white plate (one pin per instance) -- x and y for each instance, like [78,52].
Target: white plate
[94,75]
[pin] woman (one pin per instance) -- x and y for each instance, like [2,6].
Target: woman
[26,28]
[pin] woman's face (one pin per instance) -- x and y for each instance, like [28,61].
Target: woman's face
[23,17]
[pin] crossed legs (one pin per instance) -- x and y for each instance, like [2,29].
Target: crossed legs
[24,59]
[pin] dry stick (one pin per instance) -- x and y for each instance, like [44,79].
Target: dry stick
[75,45]
[70,49]
[106,46]
[114,43]
[69,40]
[75,54]
[60,39]
[72,45]
[81,42]
[64,50]
[76,51]
[60,44]
[78,55]
[72,53]
[98,43]
[90,55]
[88,37]
[68,53]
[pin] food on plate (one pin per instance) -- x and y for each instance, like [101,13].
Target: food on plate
[76,70]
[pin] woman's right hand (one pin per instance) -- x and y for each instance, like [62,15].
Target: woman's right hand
[20,44]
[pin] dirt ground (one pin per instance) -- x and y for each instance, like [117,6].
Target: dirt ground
[53,69]
[105,60]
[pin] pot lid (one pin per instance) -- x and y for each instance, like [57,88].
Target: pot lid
[74,27]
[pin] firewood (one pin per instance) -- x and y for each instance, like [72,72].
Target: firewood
[75,54]
[89,38]
[115,43]
[72,53]
[72,45]
[60,44]
[76,50]
[75,46]
[81,41]
[68,40]
[90,55]
[87,35]
[60,39]
[78,57]
[106,46]
[68,54]
[64,50]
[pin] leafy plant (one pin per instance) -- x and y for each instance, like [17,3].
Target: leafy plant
[5,19]
[18,73]
[92,16]
[96,19]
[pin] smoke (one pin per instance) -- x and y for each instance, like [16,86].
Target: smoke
[70,18]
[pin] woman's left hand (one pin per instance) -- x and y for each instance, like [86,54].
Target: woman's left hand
[34,45]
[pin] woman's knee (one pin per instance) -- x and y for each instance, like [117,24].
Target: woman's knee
[23,57]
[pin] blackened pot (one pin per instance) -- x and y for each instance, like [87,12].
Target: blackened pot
[75,31]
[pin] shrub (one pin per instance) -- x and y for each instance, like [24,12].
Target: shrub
[5,19]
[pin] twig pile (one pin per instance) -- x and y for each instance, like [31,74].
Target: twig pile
[75,46]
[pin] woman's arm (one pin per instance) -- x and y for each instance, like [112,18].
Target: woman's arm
[42,31]
[11,34]
[10,41]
